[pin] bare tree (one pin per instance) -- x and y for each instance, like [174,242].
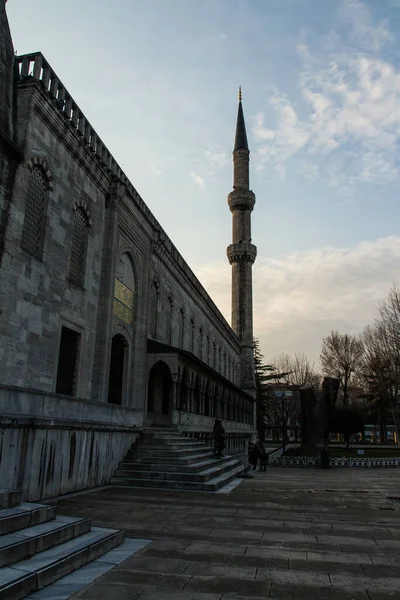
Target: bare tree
[381,362]
[341,356]
[299,371]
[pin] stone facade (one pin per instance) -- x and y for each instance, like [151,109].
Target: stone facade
[89,280]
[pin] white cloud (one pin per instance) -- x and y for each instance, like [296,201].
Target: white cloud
[198,180]
[299,298]
[349,105]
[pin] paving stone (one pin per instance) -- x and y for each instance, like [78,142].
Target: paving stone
[260,561]
[228,571]
[383,595]
[301,592]
[162,580]
[149,563]
[206,557]
[339,557]
[152,593]
[326,567]
[294,577]
[215,548]
[275,553]
[387,584]
[111,591]
[216,585]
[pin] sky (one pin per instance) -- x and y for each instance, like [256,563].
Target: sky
[158,80]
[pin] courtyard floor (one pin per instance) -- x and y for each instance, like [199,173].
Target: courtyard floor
[288,534]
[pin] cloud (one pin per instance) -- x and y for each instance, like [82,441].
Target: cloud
[300,298]
[349,105]
[363,31]
[216,158]
[198,180]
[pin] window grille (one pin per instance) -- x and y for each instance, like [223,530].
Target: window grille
[35,213]
[78,247]
[68,362]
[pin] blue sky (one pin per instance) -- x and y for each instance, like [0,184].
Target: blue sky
[321,93]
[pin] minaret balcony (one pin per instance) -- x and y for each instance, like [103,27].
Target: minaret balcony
[241,252]
[241,200]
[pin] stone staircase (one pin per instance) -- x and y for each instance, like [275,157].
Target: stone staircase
[37,547]
[163,458]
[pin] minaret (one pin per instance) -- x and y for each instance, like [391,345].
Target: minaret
[7,98]
[242,253]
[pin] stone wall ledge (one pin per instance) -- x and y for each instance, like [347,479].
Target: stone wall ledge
[31,403]
[18,422]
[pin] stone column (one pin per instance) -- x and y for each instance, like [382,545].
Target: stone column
[106,293]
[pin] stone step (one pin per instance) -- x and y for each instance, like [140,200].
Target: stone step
[47,566]
[23,544]
[212,485]
[203,476]
[165,460]
[151,465]
[9,498]
[161,451]
[164,436]
[25,515]
[170,444]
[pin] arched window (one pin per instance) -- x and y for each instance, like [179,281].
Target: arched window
[80,230]
[124,291]
[35,213]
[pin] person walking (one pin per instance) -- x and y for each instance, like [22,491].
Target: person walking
[262,456]
[253,455]
[219,438]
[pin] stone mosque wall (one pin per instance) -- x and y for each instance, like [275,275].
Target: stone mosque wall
[96,267]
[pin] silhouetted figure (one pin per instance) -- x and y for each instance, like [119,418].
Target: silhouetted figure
[254,454]
[219,438]
[262,456]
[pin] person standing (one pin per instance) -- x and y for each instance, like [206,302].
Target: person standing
[219,438]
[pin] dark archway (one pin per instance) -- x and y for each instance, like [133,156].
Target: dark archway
[116,382]
[159,395]
[197,396]
[185,390]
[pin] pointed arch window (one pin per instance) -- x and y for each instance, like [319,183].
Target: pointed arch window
[80,233]
[35,213]
[124,290]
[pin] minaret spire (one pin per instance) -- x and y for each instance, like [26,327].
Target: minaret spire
[242,253]
[7,101]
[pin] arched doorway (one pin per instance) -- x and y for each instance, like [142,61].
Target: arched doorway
[116,382]
[159,397]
